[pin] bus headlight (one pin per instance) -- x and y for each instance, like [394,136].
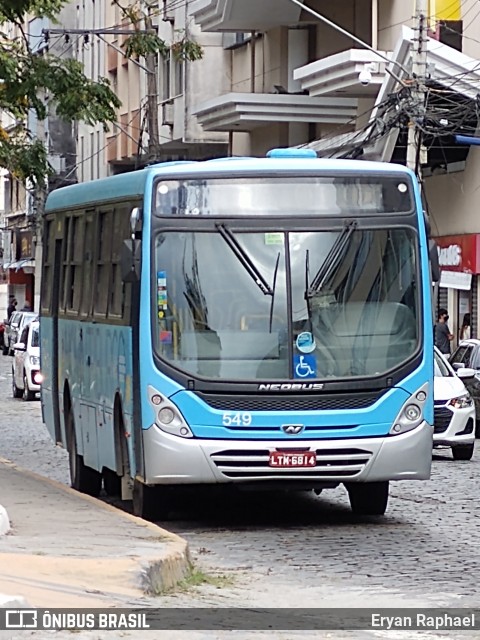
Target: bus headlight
[411,414]
[167,416]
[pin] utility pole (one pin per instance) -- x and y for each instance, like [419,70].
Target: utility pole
[419,76]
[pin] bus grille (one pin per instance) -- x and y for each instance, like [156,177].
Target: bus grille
[441,419]
[253,465]
[257,402]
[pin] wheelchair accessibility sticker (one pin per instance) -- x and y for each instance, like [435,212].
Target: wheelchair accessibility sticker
[305,366]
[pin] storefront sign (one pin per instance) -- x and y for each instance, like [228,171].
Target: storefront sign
[459,253]
[456,280]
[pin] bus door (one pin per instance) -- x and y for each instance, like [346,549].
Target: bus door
[50,306]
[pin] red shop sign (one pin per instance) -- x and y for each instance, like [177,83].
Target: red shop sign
[459,253]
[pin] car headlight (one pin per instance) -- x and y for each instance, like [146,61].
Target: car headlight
[167,416]
[462,402]
[35,361]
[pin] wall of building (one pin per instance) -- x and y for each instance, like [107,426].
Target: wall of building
[454,199]
[90,14]
[392,15]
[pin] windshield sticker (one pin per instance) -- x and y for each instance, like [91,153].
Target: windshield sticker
[274,238]
[166,337]
[305,366]
[162,301]
[305,342]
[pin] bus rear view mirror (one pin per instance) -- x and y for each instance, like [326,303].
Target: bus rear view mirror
[130,260]
[434,262]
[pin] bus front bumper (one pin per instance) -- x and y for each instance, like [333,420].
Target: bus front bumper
[174,460]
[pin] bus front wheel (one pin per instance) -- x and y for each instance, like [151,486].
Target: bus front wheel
[369,498]
[150,503]
[82,478]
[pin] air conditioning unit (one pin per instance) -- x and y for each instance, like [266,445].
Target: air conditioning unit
[168,113]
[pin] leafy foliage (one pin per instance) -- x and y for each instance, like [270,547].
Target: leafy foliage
[26,79]
[145,41]
[145,44]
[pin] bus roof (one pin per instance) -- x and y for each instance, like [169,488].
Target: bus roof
[132,184]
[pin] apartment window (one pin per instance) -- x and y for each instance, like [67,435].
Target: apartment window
[92,156]
[178,71]
[82,159]
[450,32]
[98,153]
[165,80]
[237,39]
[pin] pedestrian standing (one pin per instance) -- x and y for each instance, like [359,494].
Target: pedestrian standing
[443,337]
[11,308]
[465,330]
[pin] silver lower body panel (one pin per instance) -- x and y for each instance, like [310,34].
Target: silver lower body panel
[173,460]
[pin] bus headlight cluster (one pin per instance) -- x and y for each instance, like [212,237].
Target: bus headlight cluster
[167,416]
[411,414]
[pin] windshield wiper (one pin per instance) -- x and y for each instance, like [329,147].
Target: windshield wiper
[330,263]
[245,260]
[273,291]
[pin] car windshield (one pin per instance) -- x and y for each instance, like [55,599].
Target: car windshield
[243,305]
[441,369]
[35,342]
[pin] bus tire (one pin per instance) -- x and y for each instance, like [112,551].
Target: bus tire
[82,478]
[368,498]
[150,503]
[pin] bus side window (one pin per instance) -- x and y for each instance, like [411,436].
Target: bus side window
[104,261]
[119,305]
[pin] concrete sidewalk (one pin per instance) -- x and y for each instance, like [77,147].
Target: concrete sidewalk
[66,549]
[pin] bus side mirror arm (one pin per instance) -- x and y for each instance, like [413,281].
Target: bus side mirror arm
[130,260]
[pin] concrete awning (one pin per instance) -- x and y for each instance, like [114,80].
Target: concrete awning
[247,111]
[21,264]
[244,15]
[338,74]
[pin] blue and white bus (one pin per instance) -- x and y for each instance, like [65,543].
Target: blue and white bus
[263,322]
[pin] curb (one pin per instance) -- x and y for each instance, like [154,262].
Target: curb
[4,521]
[6,602]
[157,575]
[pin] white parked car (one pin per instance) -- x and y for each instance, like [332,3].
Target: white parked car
[26,375]
[454,414]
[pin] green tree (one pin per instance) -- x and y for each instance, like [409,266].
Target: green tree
[26,76]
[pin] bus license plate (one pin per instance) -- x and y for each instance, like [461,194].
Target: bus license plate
[287,459]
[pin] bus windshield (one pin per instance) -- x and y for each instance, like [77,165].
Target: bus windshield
[262,305]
